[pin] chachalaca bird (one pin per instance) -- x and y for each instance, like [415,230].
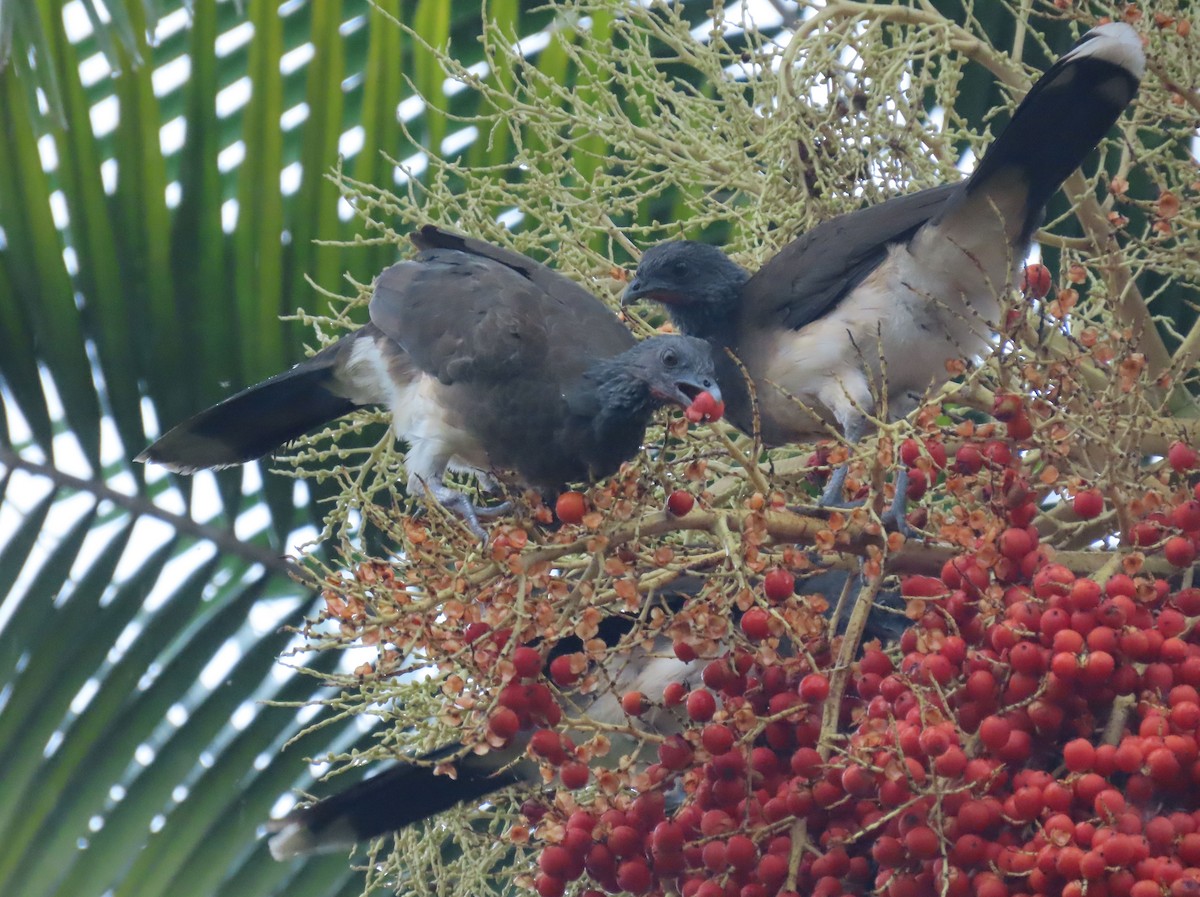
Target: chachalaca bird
[487,360]
[914,281]
[407,793]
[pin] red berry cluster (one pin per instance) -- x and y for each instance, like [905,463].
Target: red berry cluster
[1035,733]
[1175,530]
[976,763]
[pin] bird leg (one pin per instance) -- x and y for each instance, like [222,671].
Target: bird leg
[896,513]
[832,497]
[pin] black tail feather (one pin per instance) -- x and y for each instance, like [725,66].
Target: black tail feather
[254,422]
[1065,115]
[398,797]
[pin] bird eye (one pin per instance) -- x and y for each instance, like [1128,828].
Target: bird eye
[680,268]
[669,358]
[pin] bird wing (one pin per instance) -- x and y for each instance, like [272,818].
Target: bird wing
[546,279]
[815,272]
[505,341]
[480,314]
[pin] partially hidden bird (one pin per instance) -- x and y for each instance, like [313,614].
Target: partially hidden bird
[898,287]
[412,791]
[488,360]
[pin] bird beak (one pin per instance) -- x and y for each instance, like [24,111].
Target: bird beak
[633,292]
[687,390]
[640,289]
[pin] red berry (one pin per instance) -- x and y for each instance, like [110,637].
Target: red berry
[756,623]
[1053,579]
[926,586]
[779,585]
[570,507]
[918,484]
[858,781]
[574,774]
[741,852]
[934,741]
[1088,504]
[1007,407]
[968,459]
[633,875]
[1181,456]
[997,452]
[668,838]
[504,723]
[1180,551]
[704,407]
[922,842]
[472,632]
[814,688]
[685,652]
[1085,594]
[715,822]
[1079,755]
[1145,533]
[994,732]
[634,703]
[1014,543]
[549,885]
[680,502]
[555,860]
[561,671]
[1098,667]
[1019,427]
[527,661]
[1035,281]
[548,744]
[1186,516]
[624,841]
[717,739]
[675,753]
[772,870]
[701,705]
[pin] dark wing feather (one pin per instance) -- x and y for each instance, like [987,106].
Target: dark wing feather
[461,318]
[813,273]
[474,312]
[507,348]
[546,279]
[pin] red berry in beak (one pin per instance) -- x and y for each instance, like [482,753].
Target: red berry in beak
[704,407]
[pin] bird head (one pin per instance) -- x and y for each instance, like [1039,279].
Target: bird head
[698,283]
[679,370]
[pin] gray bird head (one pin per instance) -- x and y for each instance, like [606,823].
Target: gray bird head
[657,371]
[676,368]
[698,283]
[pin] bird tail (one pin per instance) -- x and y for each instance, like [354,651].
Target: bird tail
[258,419]
[401,796]
[1065,115]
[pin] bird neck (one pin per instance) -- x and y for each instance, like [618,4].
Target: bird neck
[712,317]
[617,405]
[625,401]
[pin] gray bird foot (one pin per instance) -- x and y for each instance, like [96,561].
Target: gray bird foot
[458,503]
[490,511]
